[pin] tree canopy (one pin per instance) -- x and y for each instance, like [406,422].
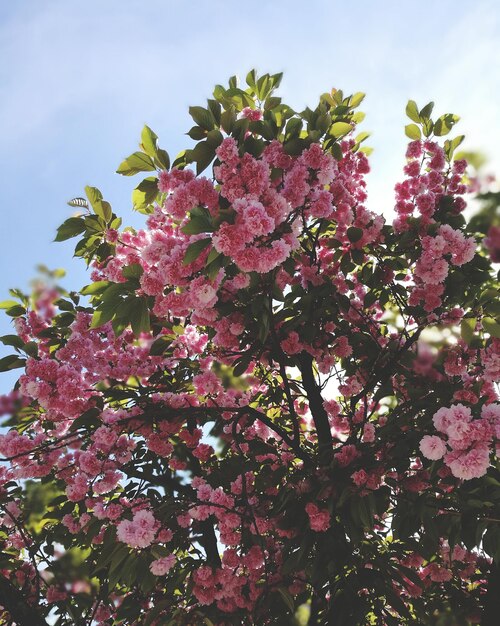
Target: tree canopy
[269,405]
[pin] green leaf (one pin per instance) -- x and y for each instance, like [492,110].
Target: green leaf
[212,255]
[212,268]
[101,316]
[202,117]
[413,131]
[195,249]
[354,234]
[215,109]
[346,265]
[356,99]
[337,152]
[12,340]
[148,141]
[70,228]
[11,362]
[467,327]
[287,598]
[361,137]
[492,327]
[293,128]
[93,194]
[426,111]
[140,317]
[135,163]
[98,287]
[203,154]
[412,111]
[145,193]
[450,145]
[457,141]
[339,129]
[214,139]
[162,159]
[135,270]
[227,120]
[117,564]
[427,127]
[196,225]
[16,311]
[7,304]
[149,145]
[197,133]
[444,124]
[101,207]
[251,78]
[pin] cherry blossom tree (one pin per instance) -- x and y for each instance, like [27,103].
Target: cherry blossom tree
[269,405]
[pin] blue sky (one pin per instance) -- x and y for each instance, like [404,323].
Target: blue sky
[79,79]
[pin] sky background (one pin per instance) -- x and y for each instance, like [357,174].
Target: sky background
[79,79]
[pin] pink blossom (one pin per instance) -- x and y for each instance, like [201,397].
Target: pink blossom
[368,433]
[492,243]
[292,344]
[346,455]
[162,566]
[319,519]
[432,447]
[252,114]
[138,532]
[471,464]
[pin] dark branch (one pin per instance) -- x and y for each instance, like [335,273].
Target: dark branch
[13,600]
[492,599]
[318,412]
[239,410]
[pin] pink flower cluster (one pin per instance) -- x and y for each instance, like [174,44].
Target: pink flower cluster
[319,519]
[140,531]
[233,586]
[427,183]
[448,247]
[258,211]
[466,451]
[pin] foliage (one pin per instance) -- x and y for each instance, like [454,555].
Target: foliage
[268,406]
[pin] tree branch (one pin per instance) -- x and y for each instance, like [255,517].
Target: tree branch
[13,600]
[492,599]
[248,410]
[315,399]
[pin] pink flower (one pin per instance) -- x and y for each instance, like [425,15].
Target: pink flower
[368,433]
[492,243]
[468,465]
[414,150]
[319,519]
[432,447]
[359,478]
[441,419]
[162,566]
[346,455]
[459,421]
[138,532]
[292,344]
[254,115]
[437,573]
